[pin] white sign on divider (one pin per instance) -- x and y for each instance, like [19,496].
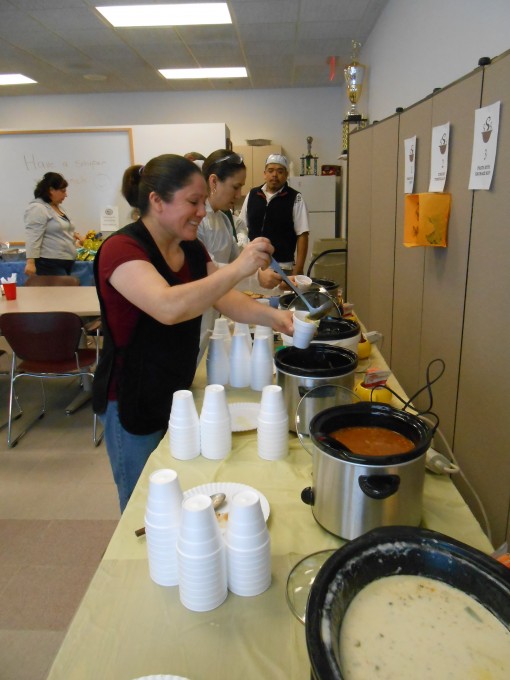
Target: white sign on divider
[439,157]
[485,144]
[410,161]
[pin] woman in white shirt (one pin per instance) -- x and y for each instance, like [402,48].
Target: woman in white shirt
[225,174]
[51,239]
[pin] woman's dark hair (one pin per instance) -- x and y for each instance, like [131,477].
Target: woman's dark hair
[164,175]
[222,163]
[51,180]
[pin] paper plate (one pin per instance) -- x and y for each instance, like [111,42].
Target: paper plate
[229,489]
[243,416]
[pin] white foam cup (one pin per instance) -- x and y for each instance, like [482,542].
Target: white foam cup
[242,541]
[183,411]
[240,357]
[261,368]
[215,438]
[184,441]
[198,520]
[246,514]
[273,440]
[303,330]
[217,362]
[165,493]
[215,406]
[272,403]
[303,282]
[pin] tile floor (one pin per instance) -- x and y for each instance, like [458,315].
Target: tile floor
[58,510]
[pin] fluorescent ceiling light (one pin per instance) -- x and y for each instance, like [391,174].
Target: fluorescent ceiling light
[185,73]
[15,79]
[167,15]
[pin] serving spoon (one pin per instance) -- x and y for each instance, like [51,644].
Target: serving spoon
[314,312]
[217,501]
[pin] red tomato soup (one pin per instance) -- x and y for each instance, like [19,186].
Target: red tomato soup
[372,441]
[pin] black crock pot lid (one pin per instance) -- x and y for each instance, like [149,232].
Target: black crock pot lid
[378,553]
[328,284]
[369,414]
[317,361]
[339,329]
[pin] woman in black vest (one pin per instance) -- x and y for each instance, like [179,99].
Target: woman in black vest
[154,279]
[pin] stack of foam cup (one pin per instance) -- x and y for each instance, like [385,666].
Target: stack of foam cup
[221,328]
[243,329]
[162,518]
[272,425]
[217,362]
[261,365]
[265,332]
[240,357]
[248,546]
[201,556]
[184,427]
[215,424]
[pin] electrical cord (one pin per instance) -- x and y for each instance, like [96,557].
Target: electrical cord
[458,470]
[435,461]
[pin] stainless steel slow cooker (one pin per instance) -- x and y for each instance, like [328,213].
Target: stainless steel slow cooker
[385,552]
[354,493]
[298,371]
[315,297]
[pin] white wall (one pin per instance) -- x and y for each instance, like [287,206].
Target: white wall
[418,45]
[286,117]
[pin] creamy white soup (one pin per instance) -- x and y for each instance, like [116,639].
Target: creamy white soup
[415,627]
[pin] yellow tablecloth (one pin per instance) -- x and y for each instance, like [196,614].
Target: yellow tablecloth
[127,626]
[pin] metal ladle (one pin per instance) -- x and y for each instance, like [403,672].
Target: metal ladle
[217,501]
[315,312]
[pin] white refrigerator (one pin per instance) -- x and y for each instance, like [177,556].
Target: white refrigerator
[323,198]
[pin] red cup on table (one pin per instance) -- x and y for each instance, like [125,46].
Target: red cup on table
[10,291]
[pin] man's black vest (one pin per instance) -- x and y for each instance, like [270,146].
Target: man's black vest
[159,359]
[274,220]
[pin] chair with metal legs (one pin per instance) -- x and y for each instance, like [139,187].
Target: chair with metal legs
[20,412]
[45,345]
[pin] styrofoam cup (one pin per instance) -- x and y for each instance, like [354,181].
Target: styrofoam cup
[184,441]
[240,357]
[183,411]
[165,493]
[303,330]
[246,514]
[217,362]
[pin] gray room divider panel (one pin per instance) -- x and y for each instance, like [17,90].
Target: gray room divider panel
[409,262]
[451,303]
[482,433]
[382,251]
[358,223]
[446,268]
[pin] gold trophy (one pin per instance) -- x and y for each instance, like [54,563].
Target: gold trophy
[308,159]
[354,75]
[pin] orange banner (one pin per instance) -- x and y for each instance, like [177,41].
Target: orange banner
[426,219]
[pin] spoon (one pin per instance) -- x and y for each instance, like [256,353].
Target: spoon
[217,501]
[315,312]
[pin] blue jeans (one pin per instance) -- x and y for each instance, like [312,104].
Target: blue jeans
[127,452]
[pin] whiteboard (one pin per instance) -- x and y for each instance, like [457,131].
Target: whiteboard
[92,161]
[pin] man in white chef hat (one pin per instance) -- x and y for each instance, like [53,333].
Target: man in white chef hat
[277,211]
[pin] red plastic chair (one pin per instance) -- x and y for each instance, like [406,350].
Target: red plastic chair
[45,345]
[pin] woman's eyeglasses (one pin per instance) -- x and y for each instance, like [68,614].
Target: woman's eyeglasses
[235,158]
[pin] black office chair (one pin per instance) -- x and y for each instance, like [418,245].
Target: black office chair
[45,345]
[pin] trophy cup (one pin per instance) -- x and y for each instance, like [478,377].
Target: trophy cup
[354,74]
[306,160]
